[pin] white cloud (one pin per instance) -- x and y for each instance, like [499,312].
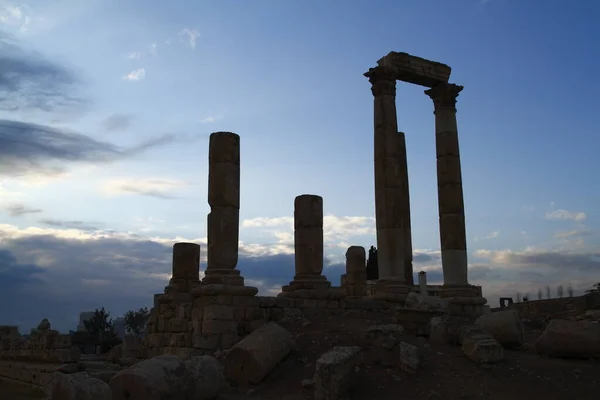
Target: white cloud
[492,235]
[152,49]
[134,55]
[566,215]
[135,75]
[191,35]
[211,118]
[162,188]
[17,17]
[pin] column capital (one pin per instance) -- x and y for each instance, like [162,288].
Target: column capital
[383,81]
[444,95]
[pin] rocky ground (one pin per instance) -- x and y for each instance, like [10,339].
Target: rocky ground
[444,372]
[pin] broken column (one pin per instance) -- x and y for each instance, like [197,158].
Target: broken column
[423,283]
[224,217]
[355,282]
[392,217]
[308,245]
[186,268]
[450,195]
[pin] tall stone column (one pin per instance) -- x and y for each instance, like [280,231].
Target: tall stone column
[224,218]
[405,206]
[308,245]
[391,181]
[450,192]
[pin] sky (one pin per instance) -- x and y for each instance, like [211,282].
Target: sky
[106,108]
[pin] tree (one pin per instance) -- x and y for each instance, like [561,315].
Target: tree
[560,291]
[518,297]
[372,266]
[526,297]
[570,290]
[135,321]
[540,294]
[100,329]
[548,292]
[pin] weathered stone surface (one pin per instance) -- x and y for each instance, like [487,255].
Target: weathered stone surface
[131,345]
[385,336]
[333,373]
[44,325]
[504,326]
[409,357]
[564,338]
[308,211]
[482,348]
[446,329]
[425,303]
[79,386]
[253,358]
[162,377]
[205,378]
[115,354]
[186,261]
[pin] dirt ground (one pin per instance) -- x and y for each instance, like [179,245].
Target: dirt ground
[15,391]
[445,373]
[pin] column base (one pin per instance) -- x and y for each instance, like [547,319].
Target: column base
[307,282]
[220,289]
[229,277]
[463,300]
[392,290]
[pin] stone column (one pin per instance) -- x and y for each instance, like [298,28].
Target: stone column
[356,271]
[405,207]
[224,218]
[450,192]
[186,267]
[423,283]
[390,183]
[308,244]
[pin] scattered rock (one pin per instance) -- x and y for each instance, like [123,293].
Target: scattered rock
[334,372]
[252,358]
[409,357]
[308,383]
[563,338]
[205,377]
[504,326]
[79,386]
[481,347]
[385,336]
[425,303]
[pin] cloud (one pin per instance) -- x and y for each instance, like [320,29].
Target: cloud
[16,16]
[117,122]
[566,215]
[134,55]
[492,235]
[28,81]
[17,210]
[31,148]
[191,35]
[572,234]
[210,119]
[135,75]
[69,224]
[152,49]
[160,188]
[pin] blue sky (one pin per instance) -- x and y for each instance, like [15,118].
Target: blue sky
[107,107]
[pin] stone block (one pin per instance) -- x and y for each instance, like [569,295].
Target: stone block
[218,312]
[245,301]
[334,371]
[196,326]
[163,325]
[252,313]
[206,341]
[228,340]
[283,302]
[183,311]
[385,336]
[266,302]
[179,340]
[178,325]
[216,326]
[305,303]
[239,313]
[409,357]
[275,314]
[482,348]
[197,313]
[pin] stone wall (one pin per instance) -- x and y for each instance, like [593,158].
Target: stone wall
[555,308]
[44,346]
[188,327]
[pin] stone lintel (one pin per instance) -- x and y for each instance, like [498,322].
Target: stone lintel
[416,70]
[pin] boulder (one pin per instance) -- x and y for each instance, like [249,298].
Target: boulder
[572,339]
[334,370]
[253,357]
[205,377]
[115,354]
[158,378]
[425,303]
[78,386]
[504,326]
